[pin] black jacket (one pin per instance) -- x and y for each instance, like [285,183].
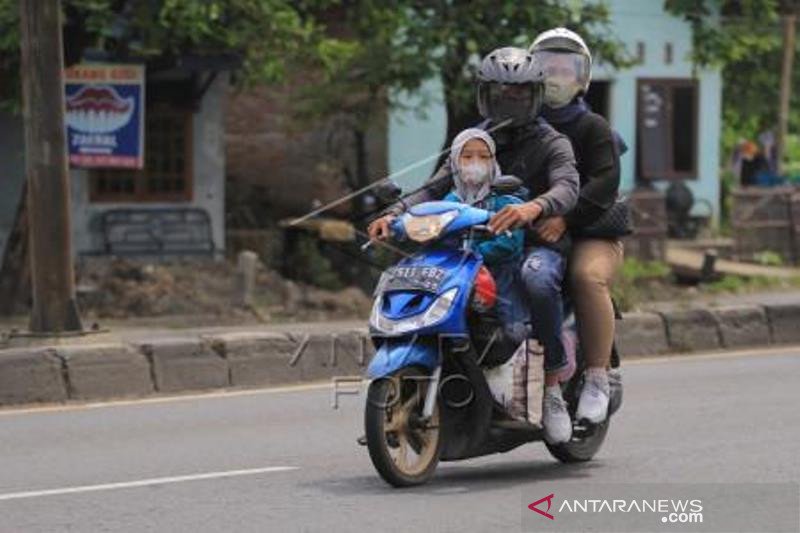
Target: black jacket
[597,157]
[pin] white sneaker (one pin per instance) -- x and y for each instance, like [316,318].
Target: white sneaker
[555,417]
[593,402]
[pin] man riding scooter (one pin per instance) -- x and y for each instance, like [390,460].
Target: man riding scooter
[510,93]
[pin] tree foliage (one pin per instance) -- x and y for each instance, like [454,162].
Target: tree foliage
[367,45]
[266,34]
[743,37]
[402,43]
[362,54]
[377,50]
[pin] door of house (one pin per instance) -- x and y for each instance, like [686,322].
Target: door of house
[666,129]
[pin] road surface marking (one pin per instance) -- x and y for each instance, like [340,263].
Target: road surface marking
[143,483]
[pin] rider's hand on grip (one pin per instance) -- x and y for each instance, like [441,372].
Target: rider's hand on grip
[379,229]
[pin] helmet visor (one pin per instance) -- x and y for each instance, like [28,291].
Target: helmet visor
[505,101]
[568,70]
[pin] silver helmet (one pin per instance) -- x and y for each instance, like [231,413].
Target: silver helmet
[566,62]
[510,86]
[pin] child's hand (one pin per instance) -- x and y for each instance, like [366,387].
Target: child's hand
[515,216]
[551,229]
[379,230]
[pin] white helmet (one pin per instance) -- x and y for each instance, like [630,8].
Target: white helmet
[559,49]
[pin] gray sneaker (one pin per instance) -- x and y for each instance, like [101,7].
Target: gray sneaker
[593,402]
[555,419]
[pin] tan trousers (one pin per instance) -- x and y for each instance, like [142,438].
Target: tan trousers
[592,267]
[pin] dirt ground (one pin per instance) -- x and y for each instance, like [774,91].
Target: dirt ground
[116,292]
[114,288]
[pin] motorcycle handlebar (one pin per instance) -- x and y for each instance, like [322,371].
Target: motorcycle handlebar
[478,228]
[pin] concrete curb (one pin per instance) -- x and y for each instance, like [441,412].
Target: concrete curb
[692,329]
[31,376]
[98,371]
[258,358]
[784,322]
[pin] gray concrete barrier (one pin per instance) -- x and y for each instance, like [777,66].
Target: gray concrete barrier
[98,371]
[742,326]
[107,370]
[692,330]
[784,322]
[257,358]
[31,376]
[185,364]
[642,334]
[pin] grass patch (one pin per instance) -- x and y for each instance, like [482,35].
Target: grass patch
[741,285]
[641,281]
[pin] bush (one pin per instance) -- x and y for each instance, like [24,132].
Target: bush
[635,279]
[635,270]
[769,258]
[310,266]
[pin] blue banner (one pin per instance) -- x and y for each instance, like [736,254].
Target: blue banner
[104,115]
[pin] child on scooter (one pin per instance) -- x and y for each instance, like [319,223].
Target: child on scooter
[475,168]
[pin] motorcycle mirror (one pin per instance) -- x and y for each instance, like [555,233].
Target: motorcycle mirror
[388,191]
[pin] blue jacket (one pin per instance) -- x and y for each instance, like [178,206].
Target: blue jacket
[501,248]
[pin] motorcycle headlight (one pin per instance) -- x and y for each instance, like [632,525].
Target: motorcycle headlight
[437,311]
[425,228]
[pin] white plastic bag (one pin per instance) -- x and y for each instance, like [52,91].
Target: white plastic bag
[534,381]
[518,383]
[501,383]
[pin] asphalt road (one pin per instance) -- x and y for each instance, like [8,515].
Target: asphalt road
[283,460]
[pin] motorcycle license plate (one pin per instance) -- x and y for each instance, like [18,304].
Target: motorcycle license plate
[414,278]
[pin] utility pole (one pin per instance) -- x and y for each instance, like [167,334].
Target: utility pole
[789,19]
[52,275]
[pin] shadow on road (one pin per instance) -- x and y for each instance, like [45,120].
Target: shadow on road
[471,478]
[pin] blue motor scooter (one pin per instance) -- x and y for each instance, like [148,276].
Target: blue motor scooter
[428,399]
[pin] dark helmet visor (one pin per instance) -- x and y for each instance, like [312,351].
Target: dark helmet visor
[500,102]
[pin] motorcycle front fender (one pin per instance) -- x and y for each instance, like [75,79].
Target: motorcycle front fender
[393,355]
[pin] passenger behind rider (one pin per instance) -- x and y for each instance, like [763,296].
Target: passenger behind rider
[474,169]
[597,252]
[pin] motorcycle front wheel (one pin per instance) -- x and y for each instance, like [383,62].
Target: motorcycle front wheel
[403,447]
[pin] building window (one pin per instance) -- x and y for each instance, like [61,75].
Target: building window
[167,175]
[640,52]
[666,133]
[668,53]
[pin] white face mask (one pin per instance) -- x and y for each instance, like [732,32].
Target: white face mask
[474,174]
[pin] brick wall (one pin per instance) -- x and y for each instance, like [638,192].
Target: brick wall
[295,165]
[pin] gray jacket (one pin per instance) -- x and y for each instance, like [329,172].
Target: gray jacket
[536,153]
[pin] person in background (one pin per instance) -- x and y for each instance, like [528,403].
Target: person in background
[753,164]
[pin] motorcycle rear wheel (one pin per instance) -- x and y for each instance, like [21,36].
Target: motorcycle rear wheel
[395,431]
[580,449]
[586,440]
